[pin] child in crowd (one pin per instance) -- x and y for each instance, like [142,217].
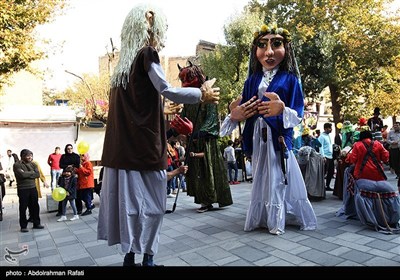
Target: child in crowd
[69,182]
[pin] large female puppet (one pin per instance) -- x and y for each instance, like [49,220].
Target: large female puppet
[272,104]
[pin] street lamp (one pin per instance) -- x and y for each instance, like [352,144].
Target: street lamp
[84,81]
[87,85]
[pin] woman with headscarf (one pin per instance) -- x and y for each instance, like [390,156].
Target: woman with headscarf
[69,158]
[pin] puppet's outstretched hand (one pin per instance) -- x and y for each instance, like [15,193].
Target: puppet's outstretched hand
[235,103]
[208,93]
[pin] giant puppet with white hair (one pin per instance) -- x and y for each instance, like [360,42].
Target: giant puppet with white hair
[133,200]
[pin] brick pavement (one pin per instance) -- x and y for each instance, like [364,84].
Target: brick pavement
[214,238]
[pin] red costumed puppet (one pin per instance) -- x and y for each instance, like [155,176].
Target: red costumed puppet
[206,179]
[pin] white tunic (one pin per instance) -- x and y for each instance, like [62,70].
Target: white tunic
[273,203]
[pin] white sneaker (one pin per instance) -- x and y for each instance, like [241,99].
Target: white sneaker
[63,218]
[171,195]
[75,217]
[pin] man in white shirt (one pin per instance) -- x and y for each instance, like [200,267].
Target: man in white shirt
[327,152]
[229,156]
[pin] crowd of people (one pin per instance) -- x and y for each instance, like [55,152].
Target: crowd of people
[70,171]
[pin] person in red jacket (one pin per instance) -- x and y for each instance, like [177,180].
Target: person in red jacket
[55,169]
[85,185]
[371,169]
[375,200]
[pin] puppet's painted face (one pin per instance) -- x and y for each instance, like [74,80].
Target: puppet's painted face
[188,79]
[270,50]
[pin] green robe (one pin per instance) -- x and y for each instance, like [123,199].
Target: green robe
[206,179]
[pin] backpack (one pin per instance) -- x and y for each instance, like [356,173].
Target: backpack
[371,155]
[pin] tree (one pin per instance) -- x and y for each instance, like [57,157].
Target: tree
[348,48]
[90,93]
[229,63]
[18,20]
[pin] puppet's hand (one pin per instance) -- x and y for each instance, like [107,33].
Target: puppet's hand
[244,111]
[173,108]
[272,96]
[183,169]
[235,103]
[208,93]
[274,107]
[182,126]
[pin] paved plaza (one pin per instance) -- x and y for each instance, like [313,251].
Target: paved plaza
[191,239]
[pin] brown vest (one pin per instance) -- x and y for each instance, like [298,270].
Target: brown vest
[135,136]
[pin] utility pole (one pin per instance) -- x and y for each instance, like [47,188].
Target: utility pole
[111,57]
